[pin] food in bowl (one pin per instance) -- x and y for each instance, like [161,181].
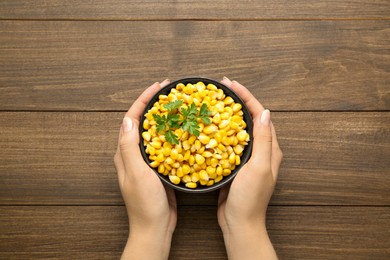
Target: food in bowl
[196,134]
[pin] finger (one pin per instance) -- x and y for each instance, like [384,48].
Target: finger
[277,154]
[120,168]
[130,152]
[138,107]
[226,81]
[254,106]
[262,143]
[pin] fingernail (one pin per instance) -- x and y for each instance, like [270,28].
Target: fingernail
[224,78]
[265,117]
[127,124]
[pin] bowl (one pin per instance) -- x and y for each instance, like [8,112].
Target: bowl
[249,128]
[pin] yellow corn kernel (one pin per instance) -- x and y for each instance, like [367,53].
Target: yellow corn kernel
[161,168]
[179,148]
[217,156]
[151,150]
[208,161]
[179,172]
[210,183]
[200,86]
[153,130]
[187,155]
[242,124]
[191,185]
[213,162]
[201,150]
[169,161]
[174,154]
[218,179]
[207,154]
[228,101]
[180,157]
[218,137]
[156,144]
[180,86]
[212,143]
[241,135]
[225,163]
[231,132]
[173,171]
[154,164]
[186,169]
[186,179]
[167,145]
[192,139]
[179,132]
[210,129]
[174,179]
[176,165]
[213,95]
[238,160]
[204,139]
[216,119]
[226,172]
[240,113]
[163,97]
[236,119]
[172,97]
[219,170]
[203,93]
[229,110]
[197,144]
[212,174]
[233,125]
[146,124]
[195,177]
[188,90]
[160,158]
[238,149]
[184,136]
[199,159]
[203,175]
[167,151]
[221,147]
[226,141]
[196,102]
[214,101]
[196,167]
[210,170]
[165,173]
[236,107]
[149,116]
[202,182]
[225,115]
[232,158]
[203,166]
[235,140]
[220,107]
[212,87]
[229,149]
[224,123]
[191,161]
[167,166]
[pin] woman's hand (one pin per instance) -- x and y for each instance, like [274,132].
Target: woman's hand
[242,206]
[151,207]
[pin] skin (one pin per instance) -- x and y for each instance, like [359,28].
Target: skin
[242,206]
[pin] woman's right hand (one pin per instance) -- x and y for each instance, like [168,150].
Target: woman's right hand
[242,206]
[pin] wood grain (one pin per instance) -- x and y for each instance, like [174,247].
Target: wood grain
[296,232]
[288,65]
[66,158]
[218,9]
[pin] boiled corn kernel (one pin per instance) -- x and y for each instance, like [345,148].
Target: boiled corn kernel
[174,179]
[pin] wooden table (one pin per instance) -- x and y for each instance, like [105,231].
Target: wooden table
[70,69]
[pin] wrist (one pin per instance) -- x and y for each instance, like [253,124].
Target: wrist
[248,243]
[148,243]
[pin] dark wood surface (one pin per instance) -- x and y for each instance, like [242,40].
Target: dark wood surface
[70,69]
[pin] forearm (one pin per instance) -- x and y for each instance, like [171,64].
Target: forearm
[249,244]
[147,245]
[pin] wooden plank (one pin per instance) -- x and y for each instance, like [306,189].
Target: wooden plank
[289,65]
[66,158]
[297,232]
[219,9]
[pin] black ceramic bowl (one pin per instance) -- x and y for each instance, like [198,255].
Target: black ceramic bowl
[249,128]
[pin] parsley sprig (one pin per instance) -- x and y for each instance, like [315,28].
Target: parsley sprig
[187,119]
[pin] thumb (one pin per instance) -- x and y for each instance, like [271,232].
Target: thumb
[262,144]
[128,143]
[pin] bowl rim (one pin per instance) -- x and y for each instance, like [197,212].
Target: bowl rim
[249,128]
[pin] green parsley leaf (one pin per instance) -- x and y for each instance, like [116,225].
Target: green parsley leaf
[173,105]
[171,137]
[161,122]
[204,114]
[173,121]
